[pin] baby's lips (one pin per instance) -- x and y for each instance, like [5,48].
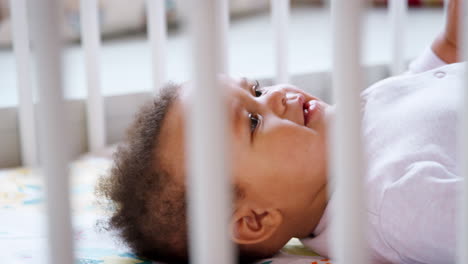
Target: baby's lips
[309,108]
[310,105]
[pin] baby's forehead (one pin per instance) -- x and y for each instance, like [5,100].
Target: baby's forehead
[171,152]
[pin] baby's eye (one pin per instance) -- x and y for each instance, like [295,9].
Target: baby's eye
[256,89]
[255,120]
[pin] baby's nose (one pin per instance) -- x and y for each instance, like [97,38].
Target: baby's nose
[279,100]
[290,96]
[276,100]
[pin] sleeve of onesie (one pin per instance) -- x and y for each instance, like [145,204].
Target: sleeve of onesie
[418,214]
[426,61]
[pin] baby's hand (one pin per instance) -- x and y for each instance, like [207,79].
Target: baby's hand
[446,44]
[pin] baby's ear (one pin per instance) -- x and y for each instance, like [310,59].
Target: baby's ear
[251,226]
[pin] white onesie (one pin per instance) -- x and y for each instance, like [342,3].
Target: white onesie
[410,138]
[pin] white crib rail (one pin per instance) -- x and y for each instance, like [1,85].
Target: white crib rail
[209,196]
[91,41]
[462,249]
[397,10]
[280,23]
[157,35]
[22,52]
[347,167]
[53,128]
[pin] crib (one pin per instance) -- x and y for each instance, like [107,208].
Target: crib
[208,23]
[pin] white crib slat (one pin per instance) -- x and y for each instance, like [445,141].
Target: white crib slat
[53,128]
[209,196]
[462,249]
[280,21]
[348,223]
[91,42]
[157,34]
[223,35]
[22,52]
[397,13]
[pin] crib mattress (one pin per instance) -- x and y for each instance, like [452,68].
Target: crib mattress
[23,238]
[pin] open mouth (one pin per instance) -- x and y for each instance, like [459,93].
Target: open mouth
[309,110]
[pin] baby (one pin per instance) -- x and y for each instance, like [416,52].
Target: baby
[280,168]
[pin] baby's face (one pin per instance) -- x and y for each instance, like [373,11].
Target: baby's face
[278,143]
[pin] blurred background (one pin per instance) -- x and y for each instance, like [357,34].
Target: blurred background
[126,59]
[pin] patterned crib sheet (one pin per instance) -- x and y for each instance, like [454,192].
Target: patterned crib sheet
[23,238]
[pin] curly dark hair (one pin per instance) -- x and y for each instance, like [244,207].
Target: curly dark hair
[149,208]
